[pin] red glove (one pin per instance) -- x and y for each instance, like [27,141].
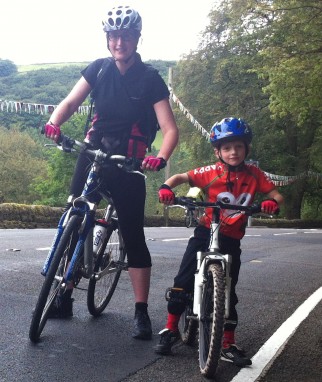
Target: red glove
[52,131]
[153,163]
[166,195]
[270,206]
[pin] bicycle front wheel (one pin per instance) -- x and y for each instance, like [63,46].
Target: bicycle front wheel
[54,278]
[211,324]
[108,266]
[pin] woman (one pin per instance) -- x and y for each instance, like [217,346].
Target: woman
[129,97]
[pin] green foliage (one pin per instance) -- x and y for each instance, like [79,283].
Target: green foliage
[261,61]
[258,60]
[53,189]
[7,68]
[46,86]
[21,162]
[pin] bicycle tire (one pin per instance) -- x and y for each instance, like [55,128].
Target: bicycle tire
[188,219]
[188,327]
[211,324]
[53,279]
[112,254]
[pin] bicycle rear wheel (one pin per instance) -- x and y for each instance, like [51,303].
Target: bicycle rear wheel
[107,270]
[211,324]
[188,326]
[54,278]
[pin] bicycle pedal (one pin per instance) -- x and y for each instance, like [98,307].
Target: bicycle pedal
[121,265]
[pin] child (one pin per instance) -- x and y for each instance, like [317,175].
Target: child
[232,181]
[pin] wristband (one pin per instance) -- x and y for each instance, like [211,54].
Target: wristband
[165,187]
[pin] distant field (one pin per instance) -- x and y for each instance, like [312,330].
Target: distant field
[28,68]
[158,140]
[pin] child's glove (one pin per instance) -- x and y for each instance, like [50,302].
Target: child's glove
[153,163]
[270,206]
[52,131]
[166,195]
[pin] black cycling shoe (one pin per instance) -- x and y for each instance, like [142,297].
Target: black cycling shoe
[167,339]
[61,308]
[142,326]
[236,356]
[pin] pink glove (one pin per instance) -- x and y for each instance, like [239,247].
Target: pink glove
[270,206]
[52,131]
[166,195]
[153,163]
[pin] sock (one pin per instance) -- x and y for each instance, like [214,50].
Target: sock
[141,306]
[173,321]
[228,338]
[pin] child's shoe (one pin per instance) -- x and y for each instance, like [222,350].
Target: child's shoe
[235,355]
[167,339]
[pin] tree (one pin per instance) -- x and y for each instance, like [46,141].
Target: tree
[261,60]
[7,68]
[21,162]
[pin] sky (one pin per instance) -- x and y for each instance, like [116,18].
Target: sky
[50,31]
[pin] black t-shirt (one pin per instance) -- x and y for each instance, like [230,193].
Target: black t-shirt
[122,100]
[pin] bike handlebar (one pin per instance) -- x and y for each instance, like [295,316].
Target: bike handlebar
[67,143]
[249,210]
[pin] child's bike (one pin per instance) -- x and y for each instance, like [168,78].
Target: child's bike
[209,305]
[75,254]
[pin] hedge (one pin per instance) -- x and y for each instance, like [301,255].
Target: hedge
[26,216]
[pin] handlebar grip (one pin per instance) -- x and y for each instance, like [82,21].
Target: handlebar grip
[255,208]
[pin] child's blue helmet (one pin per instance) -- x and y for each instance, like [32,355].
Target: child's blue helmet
[230,129]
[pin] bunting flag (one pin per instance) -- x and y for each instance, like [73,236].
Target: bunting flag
[281,180]
[36,108]
[189,116]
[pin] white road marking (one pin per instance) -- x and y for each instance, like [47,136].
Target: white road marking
[184,238]
[43,249]
[285,233]
[264,358]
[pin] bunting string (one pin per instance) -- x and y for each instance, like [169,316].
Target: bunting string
[36,108]
[189,116]
[278,180]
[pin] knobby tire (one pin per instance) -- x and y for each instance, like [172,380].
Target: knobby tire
[211,324]
[111,255]
[53,279]
[188,326]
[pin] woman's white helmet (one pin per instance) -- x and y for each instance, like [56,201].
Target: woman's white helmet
[122,17]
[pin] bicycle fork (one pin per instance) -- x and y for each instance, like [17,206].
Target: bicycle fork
[203,260]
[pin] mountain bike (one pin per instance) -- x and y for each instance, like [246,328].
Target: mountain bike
[74,254]
[208,305]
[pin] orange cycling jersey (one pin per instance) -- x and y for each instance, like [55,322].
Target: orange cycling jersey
[234,187]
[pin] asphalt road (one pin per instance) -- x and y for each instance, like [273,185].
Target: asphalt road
[281,269]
